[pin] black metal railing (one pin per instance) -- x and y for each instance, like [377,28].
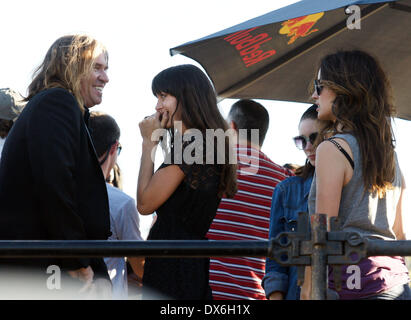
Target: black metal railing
[311,245]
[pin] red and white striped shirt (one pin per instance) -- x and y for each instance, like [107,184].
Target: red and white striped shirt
[245,217]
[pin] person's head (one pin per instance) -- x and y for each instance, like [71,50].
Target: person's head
[105,134]
[187,95]
[354,92]
[247,115]
[11,105]
[352,86]
[308,129]
[77,63]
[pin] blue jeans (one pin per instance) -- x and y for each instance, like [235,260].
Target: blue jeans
[400,292]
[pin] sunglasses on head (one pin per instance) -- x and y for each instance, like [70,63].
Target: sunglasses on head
[318,87]
[301,141]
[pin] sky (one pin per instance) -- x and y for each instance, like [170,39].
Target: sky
[138,36]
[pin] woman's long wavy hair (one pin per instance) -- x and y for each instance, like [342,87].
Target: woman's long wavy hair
[197,106]
[69,60]
[364,107]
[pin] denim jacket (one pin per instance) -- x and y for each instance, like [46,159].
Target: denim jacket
[289,198]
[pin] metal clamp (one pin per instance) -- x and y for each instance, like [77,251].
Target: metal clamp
[338,248]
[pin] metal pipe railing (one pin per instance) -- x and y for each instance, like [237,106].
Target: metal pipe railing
[123,248]
[319,257]
[168,248]
[388,247]
[310,245]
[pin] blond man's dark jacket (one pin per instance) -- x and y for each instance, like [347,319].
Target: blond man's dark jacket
[51,184]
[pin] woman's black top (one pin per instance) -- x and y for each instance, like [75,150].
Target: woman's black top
[186,215]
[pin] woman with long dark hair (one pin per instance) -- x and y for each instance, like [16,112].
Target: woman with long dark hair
[186,189]
[357,175]
[289,198]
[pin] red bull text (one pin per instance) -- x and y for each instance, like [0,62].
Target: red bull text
[249,46]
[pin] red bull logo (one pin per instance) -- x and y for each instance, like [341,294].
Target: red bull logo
[249,46]
[300,27]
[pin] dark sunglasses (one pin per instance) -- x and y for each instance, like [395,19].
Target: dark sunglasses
[301,141]
[318,87]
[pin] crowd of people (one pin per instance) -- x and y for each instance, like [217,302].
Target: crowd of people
[59,180]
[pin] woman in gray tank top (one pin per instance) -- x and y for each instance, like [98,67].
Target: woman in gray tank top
[357,175]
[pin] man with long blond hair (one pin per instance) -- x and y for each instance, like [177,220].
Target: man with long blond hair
[51,184]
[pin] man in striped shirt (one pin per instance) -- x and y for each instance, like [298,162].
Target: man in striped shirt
[247,215]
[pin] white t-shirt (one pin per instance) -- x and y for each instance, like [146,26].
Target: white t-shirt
[124,225]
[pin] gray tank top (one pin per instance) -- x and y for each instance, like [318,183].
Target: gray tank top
[360,211]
